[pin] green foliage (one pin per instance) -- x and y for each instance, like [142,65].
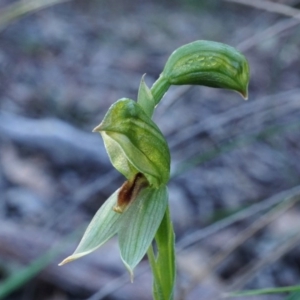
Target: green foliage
[138,211]
[25,274]
[294,296]
[286,289]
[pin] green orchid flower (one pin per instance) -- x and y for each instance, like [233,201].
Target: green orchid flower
[138,150]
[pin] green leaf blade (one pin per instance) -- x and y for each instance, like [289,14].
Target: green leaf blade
[140,223]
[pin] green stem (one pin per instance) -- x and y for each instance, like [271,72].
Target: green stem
[157,284]
[163,266]
[159,88]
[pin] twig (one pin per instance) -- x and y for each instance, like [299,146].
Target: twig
[249,271]
[22,8]
[268,33]
[244,235]
[270,6]
[79,197]
[172,98]
[199,235]
[273,30]
[217,259]
[75,146]
[116,284]
[221,119]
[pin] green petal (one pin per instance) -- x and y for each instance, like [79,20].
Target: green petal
[208,63]
[134,143]
[140,224]
[103,226]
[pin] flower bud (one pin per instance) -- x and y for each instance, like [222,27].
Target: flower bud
[210,64]
[134,143]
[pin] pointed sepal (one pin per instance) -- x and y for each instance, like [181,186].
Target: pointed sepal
[145,98]
[140,224]
[103,226]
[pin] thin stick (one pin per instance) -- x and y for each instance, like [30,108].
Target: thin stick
[116,284]
[268,33]
[251,230]
[199,235]
[270,6]
[273,30]
[250,271]
[21,8]
[244,235]
[220,120]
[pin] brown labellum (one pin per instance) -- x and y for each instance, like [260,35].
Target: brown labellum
[129,190]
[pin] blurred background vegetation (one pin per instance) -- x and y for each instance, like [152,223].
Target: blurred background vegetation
[235,164]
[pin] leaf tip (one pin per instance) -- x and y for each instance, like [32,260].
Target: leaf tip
[131,276]
[66,260]
[244,94]
[97,128]
[129,269]
[243,90]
